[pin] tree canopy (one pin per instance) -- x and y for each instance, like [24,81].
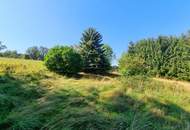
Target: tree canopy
[163,56]
[36,53]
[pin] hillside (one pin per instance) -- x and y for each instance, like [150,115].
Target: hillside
[31,97]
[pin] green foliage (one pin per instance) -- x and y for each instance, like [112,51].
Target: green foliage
[36,53]
[129,65]
[33,52]
[108,52]
[164,56]
[92,52]
[12,54]
[43,52]
[64,60]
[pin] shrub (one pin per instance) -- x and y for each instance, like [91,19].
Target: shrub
[129,65]
[64,60]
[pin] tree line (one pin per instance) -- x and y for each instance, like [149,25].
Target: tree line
[165,56]
[90,55]
[35,53]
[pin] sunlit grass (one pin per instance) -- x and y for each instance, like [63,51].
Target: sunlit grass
[51,101]
[19,66]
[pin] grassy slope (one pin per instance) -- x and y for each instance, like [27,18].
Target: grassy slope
[33,98]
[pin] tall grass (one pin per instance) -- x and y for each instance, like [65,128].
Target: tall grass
[30,101]
[19,66]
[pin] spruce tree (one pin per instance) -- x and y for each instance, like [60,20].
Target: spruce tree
[90,48]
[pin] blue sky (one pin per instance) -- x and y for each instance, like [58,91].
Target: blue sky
[24,23]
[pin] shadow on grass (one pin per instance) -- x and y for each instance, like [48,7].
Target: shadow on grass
[25,105]
[16,93]
[63,109]
[141,115]
[104,76]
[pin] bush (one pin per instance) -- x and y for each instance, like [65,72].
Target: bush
[130,66]
[64,60]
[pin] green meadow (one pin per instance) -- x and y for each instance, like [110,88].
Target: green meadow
[33,98]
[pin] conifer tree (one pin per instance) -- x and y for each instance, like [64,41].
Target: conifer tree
[90,48]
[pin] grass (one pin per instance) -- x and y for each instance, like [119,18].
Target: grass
[33,98]
[23,67]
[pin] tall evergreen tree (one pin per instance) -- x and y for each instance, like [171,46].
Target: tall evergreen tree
[90,48]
